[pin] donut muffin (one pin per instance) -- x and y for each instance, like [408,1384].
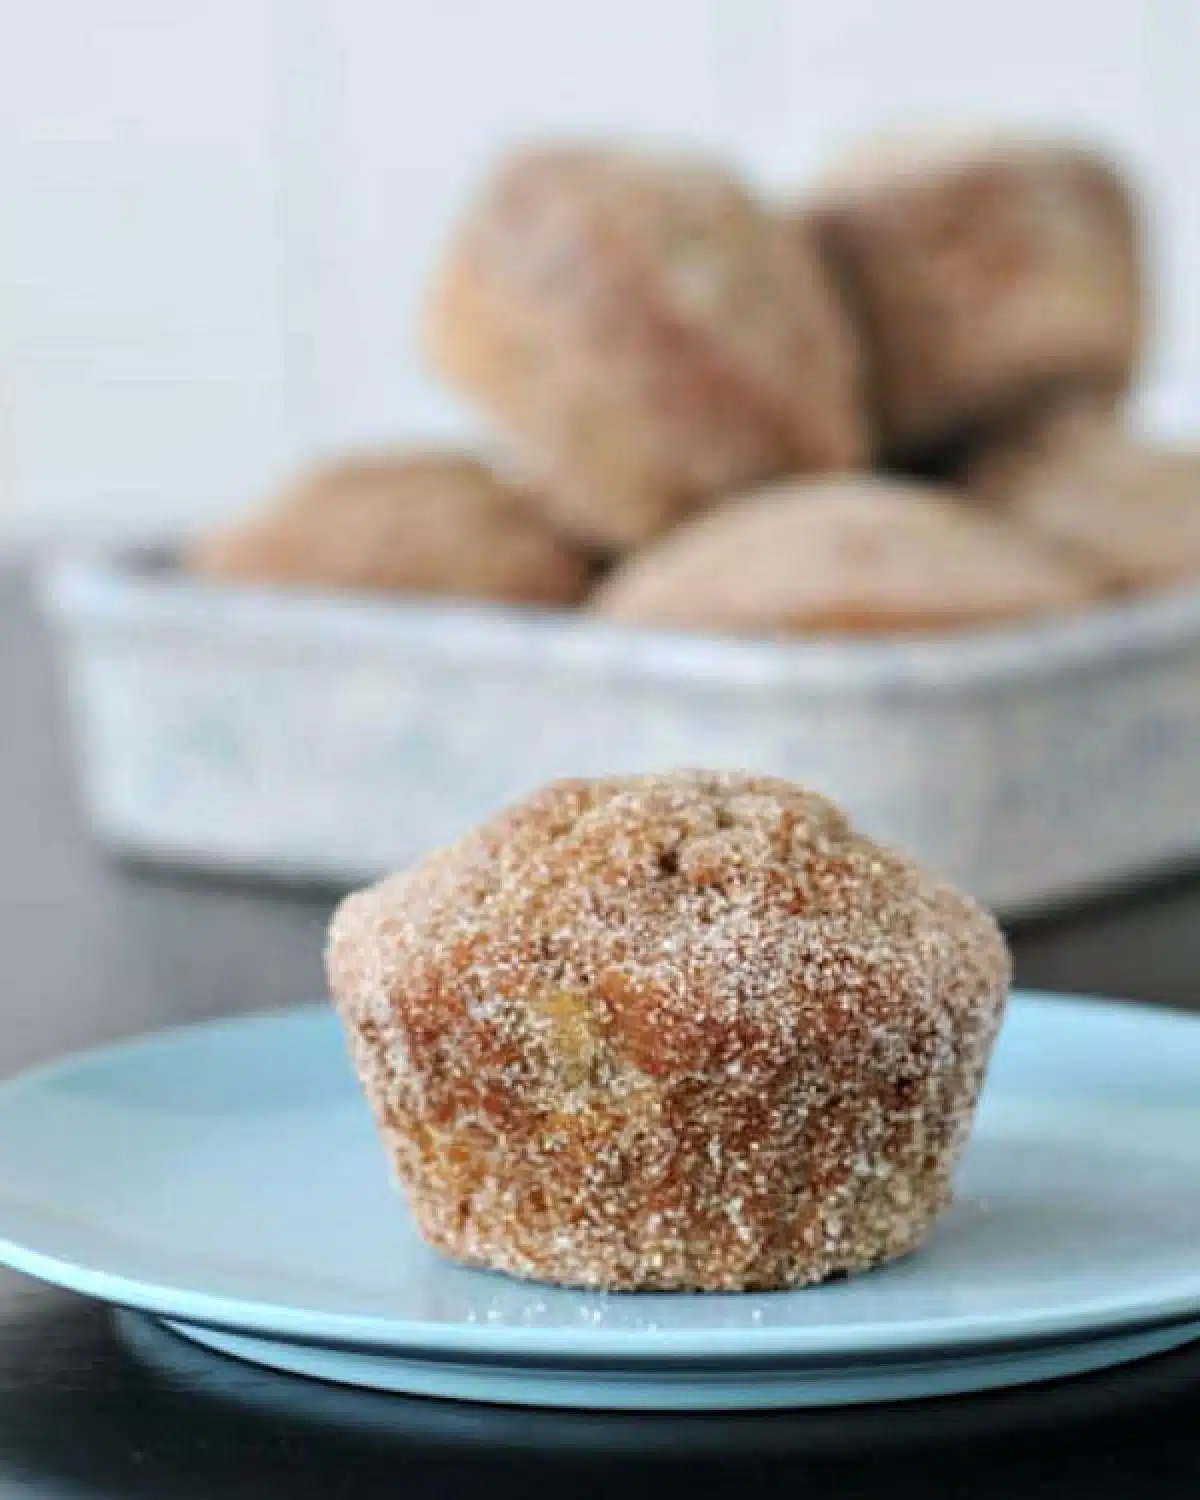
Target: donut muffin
[686,1031]
[1123,508]
[425,523]
[993,470]
[860,555]
[637,325]
[987,275]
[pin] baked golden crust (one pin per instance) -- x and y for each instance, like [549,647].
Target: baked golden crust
[641,328]
[988,275]
[677,1031]
[416,522]
[853,555]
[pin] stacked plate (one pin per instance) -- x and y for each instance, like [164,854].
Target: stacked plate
[226,1180]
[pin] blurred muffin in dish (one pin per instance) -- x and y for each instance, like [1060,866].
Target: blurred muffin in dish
[1126,509]
[848,555]
[993,469]
[416,522]
[689,1031]
[640,327]
[988,275]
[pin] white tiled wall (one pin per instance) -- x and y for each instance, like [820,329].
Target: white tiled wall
[218,217]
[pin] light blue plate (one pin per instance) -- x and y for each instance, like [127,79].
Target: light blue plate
[227,1176]
[692,1385]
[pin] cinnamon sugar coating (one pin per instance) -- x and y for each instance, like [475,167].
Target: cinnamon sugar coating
[1103,498]
[642,329]
[684,1031]
[847,555]
[416,521]
[989,275]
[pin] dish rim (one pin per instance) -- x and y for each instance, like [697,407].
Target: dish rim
[125,593]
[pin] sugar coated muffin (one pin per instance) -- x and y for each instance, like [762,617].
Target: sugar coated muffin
[852,555]
[640,328]
[685,1031]
[417,522]
[994,469]
[987,273]
[1127,509]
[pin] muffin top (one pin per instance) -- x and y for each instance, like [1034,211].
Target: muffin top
[990,275]
[426,522]
[842,555]
[648,332]
[560,222]
[1125,509]
[603,934]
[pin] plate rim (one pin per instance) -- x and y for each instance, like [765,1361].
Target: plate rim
[374,1332]
[634,1387]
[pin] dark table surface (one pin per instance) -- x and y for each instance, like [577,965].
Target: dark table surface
[97,1405]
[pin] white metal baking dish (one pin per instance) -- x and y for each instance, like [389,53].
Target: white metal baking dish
[312,736]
